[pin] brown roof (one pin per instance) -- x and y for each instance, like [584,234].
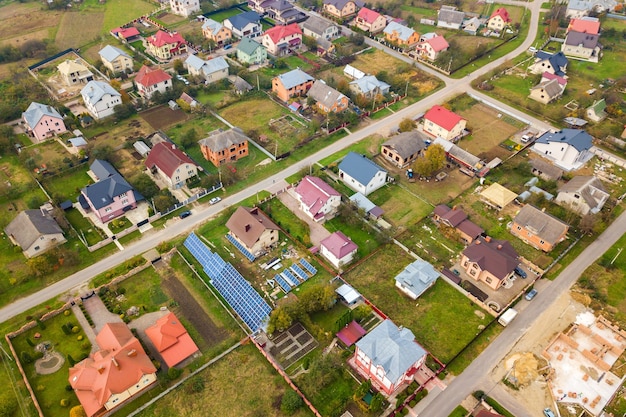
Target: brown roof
[548,228]
[496,256]
[167,157]
[248,224]
[470,228]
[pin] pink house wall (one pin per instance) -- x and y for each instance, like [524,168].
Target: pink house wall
[117,208]
[47,123]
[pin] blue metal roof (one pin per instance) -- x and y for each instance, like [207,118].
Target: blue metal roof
[110,53]
[241,20]
[293,78]
[359,167]
[579,139]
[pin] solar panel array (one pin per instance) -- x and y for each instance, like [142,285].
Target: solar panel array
[308,266]
[241,248]
[290,278]
[299,272]
[238,292]
[283,284]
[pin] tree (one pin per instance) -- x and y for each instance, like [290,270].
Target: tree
[280,319]
[189,138]
[164,200]
[208,181]
[357,39]
[290,402]
[78,411]
[123,111]
[179,67]
[41,265]
[588,223]
[406,125]
[437,156]
[310,42]
[144,185]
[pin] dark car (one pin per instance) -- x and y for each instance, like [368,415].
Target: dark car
[519,271]
[531,294]
[185,214]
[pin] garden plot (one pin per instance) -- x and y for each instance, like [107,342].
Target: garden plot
[162,117]
[291,345]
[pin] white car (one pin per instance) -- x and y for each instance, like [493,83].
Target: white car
[215,200]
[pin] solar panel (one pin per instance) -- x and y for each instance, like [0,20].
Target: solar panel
[283,284]
[241,248]
[231,285]
[308,266]
[290,278]
[299,272]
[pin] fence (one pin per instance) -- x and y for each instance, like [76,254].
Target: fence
[52,58]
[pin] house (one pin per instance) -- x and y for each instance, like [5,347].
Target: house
[550,88]
[244,24]
[211,71]
[472,25]
[338,249]
[42,121]
[584,46]
[580,8]
[450,18]
[499,20]
[224,146]
[585,25]
[456,219]
[545,170]
[348,295]
[216,32]
[318,28]
[389,356]
[567,148]
[553,63]
[116,373]
[100,99]
[353,73]
[185,8]
[171,164]
[443,123]
[126,34]
[400,34]
[149,80]
[115,59]
[281,40]
[240,86]
[364,203]
[370,86]
[327,99]
[490,261]
[291,84]
[165,45]
[370,21]
[253,229]
[251,52]
[416,278]
[361,174]
[74,71]
[497,196]
[192,102]
[597,111]
[538,228]
[35,232]
[111,196]
[282,12]
[404,148]
[317,199]
[171,340]
[431,45]
[340,9]
[583,195]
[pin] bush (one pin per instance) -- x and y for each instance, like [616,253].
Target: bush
[78,411]
[66,313]
[75,329]
[174,373]
[25,357]
[197,384]
[8,404]
[478,394]
[79,337]
[377,403]
[290,402]
[64,402]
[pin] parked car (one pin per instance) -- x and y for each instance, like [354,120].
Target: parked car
[230,45]
[548,412]
[215,200]
[185,214]
[519,271]
[529,296]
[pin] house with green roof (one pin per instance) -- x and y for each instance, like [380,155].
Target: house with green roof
[597,111]
[251,52]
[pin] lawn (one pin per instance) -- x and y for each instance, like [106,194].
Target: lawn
[142,290]
[67,185]
[91,233]
[428,242]
[360,232]
[443,320]
[78,28]
[120,12]
[369,146]
[283,217]
[401,206]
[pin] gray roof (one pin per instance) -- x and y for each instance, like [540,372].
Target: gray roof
[450,16]
[370,83]
[213,25]
[392,348]
[579,139]
[359,167]
[95,90]
[458,153]
[293,78]
[36,111]
[102,169]
[110,53]
[589,187]
[30,225]
[316,25]
[406,143]
[589,5]
[340,4]
[404,33]
[417,277]
[546,169]
[587,40]
[548,228]
[551,87]
[215,65]
[364,203]
[324,94]
[241,20]
[195,62]
[222,140]
[248,46]
[110,184]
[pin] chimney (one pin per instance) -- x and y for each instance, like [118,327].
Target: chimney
[247,228]
[487,239]
[499,247]
[132,353]
[101,369]
[117,365]
[478,241]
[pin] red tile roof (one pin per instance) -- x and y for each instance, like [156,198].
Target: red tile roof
[591,26]
[339,245]
[167,157]
[315,193]
[171,340]
[126,33]
[148,76]
[350,334]
[438,43]
[368,15]
[442,117]
[277,33]
[503,13]
[550,76]
[163,38]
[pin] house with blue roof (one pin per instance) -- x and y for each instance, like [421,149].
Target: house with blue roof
[100,99]
[569,149]
[110,196]
[416,278]
[115,59]
[546,62]
[389,356]
[361,174]
[400,34]
[292,84]
[42,121]
[251,52]
[244,24]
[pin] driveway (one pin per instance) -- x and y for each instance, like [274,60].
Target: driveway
[99,313]
[317,232]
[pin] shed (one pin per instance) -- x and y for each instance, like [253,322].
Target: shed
[351,334]
[497,196]
[348,294]
[142,148]
[78,142]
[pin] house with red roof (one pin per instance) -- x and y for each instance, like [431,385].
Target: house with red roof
[370,21]
[164,45]
[443,123]
[171,164]
[590,25]
[149,80]
[499,19]
[171,340]
[490,261]
[113,375]
[280,40]
[317,199]
[431,45]
[126,34]
[338,249]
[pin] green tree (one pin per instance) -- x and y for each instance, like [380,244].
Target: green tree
[164,200]
[179,67]
[41,265]
[123,111]
[280,319]
[189,138]
[406,125]
[144,185]
[78,411]
[377,403]
[290,402]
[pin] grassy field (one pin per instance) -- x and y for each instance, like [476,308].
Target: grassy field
[401,206]
[286,219]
